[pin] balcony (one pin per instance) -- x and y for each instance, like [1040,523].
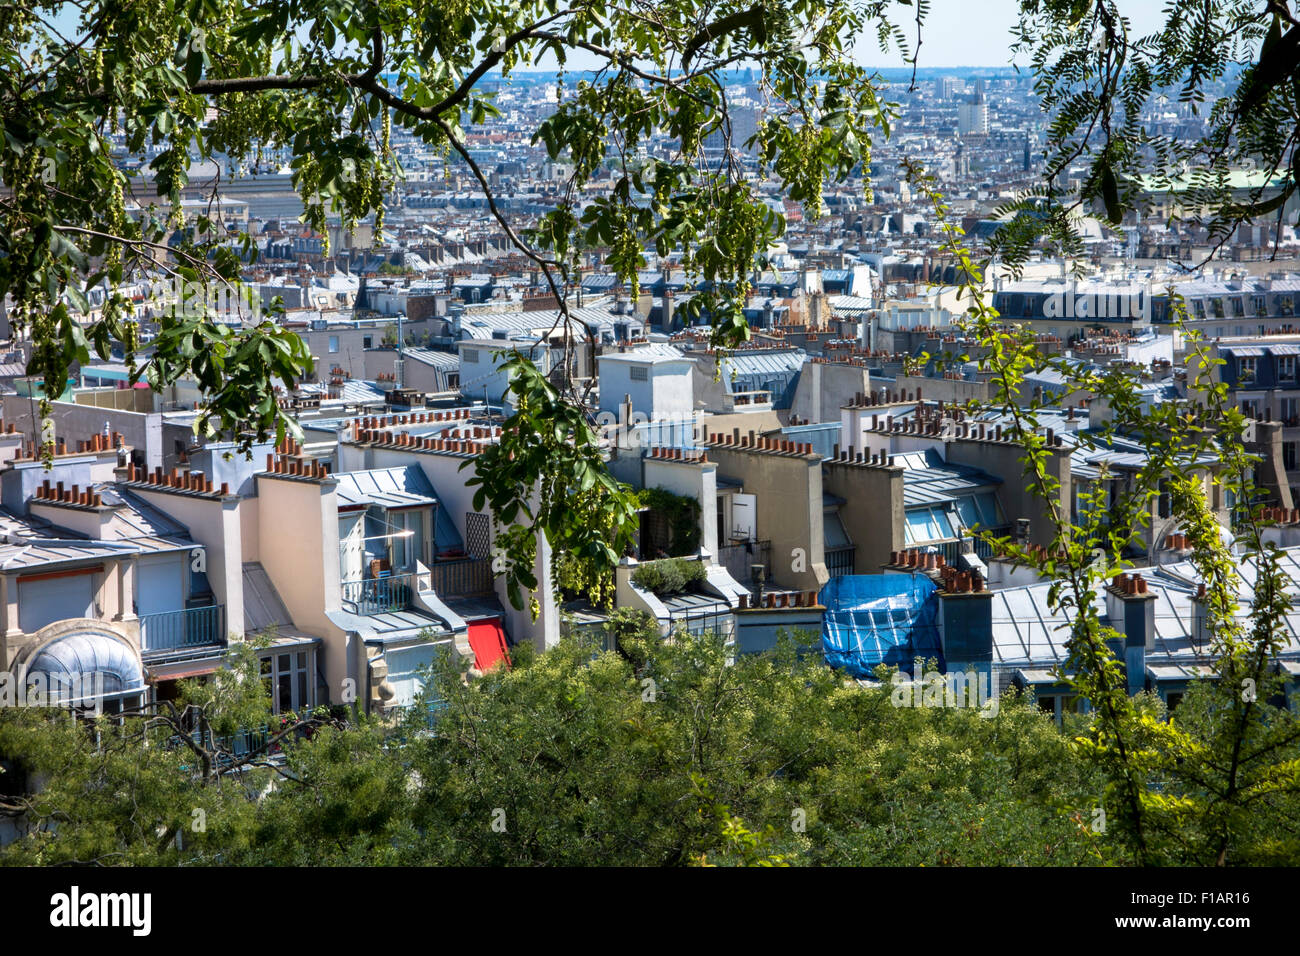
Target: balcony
[468,577]
[757,400]
[739,559]
[839,561]
[952,550]
[392,592]
[187,629]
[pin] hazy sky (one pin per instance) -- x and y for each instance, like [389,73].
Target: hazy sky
[978,32]
[956,32]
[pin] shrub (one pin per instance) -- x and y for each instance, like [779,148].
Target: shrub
[669,576]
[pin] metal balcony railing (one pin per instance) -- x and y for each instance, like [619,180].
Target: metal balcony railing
[740,558]
[183,629]
[839,561]
[952,550]
[392,592]
[468,577]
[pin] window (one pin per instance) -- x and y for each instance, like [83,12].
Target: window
[990,511]
[1285,367]
[1288,455]
[639,373]
[469,356]
[1288,411]
[407,548]
[334,343]
[43,601]
[1250,408]
[365,342]
[1245,369]
[1217,305]
[969,513]
[1260,307]
[927,524]
[284,676]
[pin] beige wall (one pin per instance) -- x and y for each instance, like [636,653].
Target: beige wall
[945,389]
[690,479]
[788,489]
[824,387]
[298,540]
[140,400]
[759,423]
[872,512]
[1016,493]
[75,422]
[249,539]
[215,523]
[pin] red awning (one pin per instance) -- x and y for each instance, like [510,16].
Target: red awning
[192,672]
[488,641]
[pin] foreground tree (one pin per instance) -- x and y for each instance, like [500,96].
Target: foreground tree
[1236,63]
[327,81]
[168,782]
[665,756]
[1220,782]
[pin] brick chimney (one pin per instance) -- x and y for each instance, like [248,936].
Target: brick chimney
[1131,608]
[965,623]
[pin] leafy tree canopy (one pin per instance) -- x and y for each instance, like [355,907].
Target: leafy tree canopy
[326,80]
[662,755]
[1235,63]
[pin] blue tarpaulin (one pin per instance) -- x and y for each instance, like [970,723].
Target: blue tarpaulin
[874,619]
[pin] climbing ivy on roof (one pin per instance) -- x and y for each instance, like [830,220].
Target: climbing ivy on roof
[682,513]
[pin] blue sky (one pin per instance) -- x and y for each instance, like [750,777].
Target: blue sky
[978,32]
[956,32]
